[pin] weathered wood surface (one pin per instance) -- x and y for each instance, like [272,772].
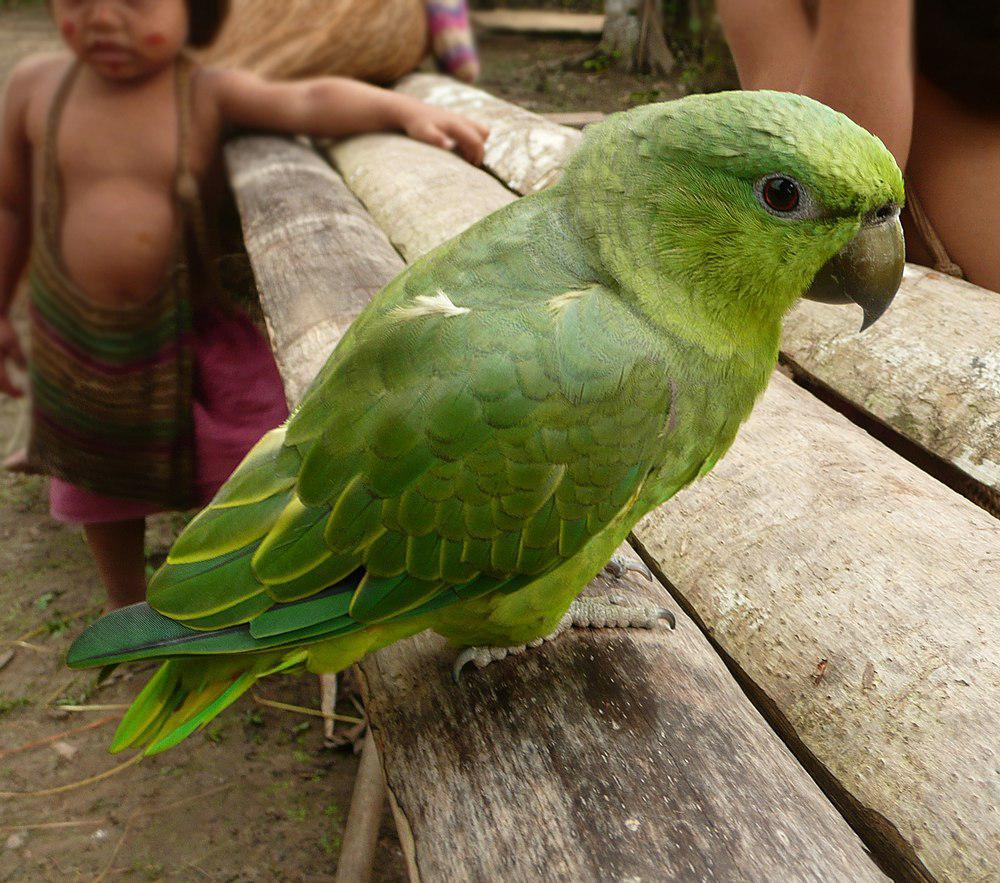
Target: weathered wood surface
[947,557]
[359,850]
[929,369]
[311,240]
[861,597]
[606,755]
[383,170]
[540,22]
[696,779]
[524,150]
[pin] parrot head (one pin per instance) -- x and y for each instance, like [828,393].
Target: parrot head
[726,208]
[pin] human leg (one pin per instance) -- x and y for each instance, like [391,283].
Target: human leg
[117,547]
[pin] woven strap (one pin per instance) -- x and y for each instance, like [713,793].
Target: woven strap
[942,260]
[51,208]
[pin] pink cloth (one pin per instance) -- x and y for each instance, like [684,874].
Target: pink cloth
[238,397]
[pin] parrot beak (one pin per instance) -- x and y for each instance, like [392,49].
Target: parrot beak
[867,271]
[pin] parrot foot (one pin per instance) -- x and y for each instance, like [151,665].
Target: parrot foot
[620,565]
[594,613]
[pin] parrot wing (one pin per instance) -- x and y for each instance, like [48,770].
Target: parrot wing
[445,453]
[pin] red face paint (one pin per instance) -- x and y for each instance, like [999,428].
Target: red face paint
[154,40]
[68,30]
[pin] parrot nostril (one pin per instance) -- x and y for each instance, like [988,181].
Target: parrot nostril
[884,213]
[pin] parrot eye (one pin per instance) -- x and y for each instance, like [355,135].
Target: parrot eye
[780,194]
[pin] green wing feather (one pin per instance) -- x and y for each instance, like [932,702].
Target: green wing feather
[493,450]
[446,451]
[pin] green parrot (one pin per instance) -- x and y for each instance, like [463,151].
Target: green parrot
[502,413]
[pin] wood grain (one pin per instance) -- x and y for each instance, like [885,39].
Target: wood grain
[929,369]
[317,255]
[524,150]
[385,171]
[859,597]
[605,755]
[600,754]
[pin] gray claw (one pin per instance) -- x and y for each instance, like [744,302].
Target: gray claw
[669,617]
[619,565]
[462,660]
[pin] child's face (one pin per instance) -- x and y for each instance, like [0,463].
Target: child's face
[123,39]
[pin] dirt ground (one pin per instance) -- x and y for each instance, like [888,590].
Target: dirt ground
[255,796]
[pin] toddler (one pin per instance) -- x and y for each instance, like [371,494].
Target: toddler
[148,386]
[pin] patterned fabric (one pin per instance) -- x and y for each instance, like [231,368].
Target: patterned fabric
[111,387]
[451,38]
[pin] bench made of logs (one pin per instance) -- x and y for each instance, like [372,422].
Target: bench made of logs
[833,667]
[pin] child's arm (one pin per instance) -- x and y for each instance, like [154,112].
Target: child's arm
[335,106]
[15,213]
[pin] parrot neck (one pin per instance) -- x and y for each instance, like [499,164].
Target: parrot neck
[688,267]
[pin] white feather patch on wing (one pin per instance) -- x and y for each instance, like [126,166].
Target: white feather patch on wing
[557,305]
[429,305]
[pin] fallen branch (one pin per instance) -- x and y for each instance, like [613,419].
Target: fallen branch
[300,709]
[72,786]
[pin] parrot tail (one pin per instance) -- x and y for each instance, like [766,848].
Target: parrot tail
[185,694]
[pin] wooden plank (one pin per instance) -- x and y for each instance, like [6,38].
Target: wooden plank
[540,22]
[312,245]
[695,779]
[430,796]
[859,597]
[929,370]
[606,755]
[907,833]
[524,150]
[384,170]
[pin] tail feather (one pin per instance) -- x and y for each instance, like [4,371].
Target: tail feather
[185,694]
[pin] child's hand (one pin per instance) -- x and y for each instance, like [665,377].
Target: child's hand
[10,351]
[447,130]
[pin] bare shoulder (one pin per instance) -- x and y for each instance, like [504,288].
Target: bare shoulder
[35,70]
[31,84]
[222,83]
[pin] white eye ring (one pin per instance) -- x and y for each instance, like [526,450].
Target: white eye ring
[802,207]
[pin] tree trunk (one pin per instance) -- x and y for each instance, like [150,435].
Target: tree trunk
[633,36]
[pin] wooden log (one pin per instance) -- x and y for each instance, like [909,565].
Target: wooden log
[858,597]
[311,240]
[384,170]
[695,779]
[606,755]
[929,371]
[355,863]
[953,576]
[543,23]
[524,150]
